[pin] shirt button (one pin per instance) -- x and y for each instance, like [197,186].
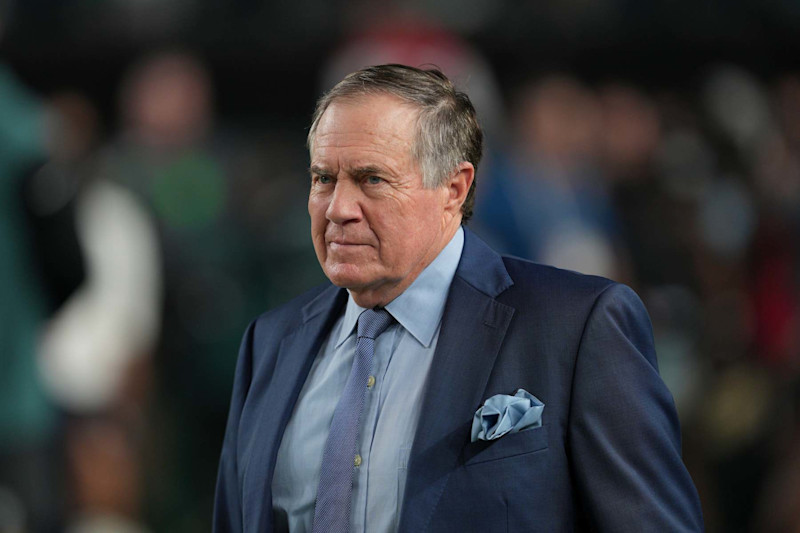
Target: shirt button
[370,382]
[357,460]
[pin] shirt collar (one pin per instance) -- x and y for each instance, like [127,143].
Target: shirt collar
[420,307]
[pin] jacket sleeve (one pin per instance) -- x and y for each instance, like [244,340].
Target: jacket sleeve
[624,435]
[227,502]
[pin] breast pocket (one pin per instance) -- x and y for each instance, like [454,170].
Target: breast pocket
[507,446]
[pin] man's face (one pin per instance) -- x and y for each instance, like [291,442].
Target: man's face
[374,226]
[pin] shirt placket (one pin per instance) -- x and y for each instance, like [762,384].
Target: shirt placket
[369,422]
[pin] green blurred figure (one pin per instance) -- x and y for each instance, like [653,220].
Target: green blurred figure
[27,419]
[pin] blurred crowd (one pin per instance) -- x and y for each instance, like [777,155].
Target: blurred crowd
[132,259]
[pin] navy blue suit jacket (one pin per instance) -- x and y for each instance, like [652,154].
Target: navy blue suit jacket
[606,458]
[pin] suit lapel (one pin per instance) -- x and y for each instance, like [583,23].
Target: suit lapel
[295,356]
[473,328]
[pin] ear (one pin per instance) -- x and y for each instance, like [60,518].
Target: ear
[458,187]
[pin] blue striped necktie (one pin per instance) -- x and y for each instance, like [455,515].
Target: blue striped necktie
[332,511]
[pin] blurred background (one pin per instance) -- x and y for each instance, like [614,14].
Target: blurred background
[153,186]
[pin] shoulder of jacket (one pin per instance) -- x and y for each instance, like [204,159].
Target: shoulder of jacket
[528,276]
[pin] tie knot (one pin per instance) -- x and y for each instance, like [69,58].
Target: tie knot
[373,322]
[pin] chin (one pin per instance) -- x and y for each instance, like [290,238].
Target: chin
[347,276]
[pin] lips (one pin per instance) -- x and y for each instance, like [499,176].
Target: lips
[337,238]
[340,245]
[341,240]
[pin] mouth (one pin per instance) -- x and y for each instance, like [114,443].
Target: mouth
[344,244]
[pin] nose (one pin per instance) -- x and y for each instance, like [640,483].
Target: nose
[344,206]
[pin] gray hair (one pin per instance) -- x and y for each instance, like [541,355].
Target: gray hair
[448,132]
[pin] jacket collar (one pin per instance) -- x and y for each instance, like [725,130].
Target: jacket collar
[482,268]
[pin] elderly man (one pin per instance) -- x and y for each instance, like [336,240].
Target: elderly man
[435,385]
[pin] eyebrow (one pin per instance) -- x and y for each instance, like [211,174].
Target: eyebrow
[314,169]
[367,170]
[358,171]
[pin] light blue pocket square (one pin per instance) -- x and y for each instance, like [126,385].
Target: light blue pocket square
[503,414]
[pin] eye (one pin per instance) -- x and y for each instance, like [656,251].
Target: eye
[374,180]
[323,180]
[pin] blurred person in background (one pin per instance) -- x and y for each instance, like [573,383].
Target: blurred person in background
[95,350]
[775,292]
[57,264]
[656,258]
[550,203]
[163,156]
[40,266]
[29,469]
[223,226]
[710,163]
[410,38]
[777,187]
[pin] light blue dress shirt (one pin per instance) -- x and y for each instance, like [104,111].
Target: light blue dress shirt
[403,355]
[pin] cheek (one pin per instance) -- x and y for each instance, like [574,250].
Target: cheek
[317,208]
[316,212]
[407,236]
[427,217]
[313,204]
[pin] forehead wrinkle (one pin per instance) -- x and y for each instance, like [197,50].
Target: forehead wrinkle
[371,124]
[390,140]
[364,140]
[365,159]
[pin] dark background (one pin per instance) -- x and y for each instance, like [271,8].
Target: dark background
[701,218]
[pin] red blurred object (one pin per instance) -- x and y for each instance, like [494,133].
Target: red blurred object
[776,306]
